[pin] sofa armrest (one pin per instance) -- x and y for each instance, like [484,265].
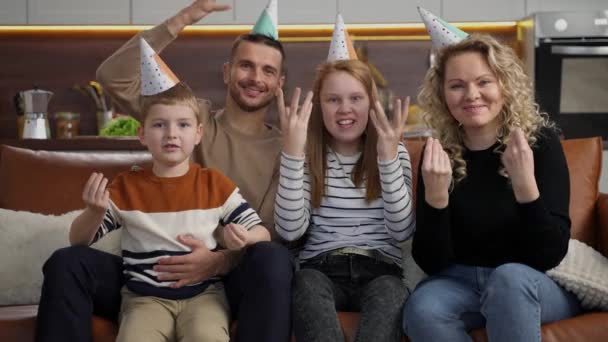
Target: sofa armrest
[601,210]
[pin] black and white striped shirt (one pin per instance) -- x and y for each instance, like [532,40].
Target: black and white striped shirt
[344,218]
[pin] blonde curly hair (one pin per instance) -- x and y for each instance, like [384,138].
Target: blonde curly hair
[519,108]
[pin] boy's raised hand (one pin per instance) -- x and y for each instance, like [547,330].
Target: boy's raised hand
[95,195]
[389,133]
[436,174]
[236,236]
[294,121]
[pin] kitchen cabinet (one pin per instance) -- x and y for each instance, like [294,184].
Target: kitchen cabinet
[290,11]
[152,12]
[385,11]
[70,12]
[13,12]
[483,10]
[565,5]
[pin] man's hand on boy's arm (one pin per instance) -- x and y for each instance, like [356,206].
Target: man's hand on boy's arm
[197,266]
[193,13]
[97,200]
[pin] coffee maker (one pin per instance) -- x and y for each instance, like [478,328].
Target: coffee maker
[34,104]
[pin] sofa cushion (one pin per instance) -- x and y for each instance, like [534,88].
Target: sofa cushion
[584,272]
[26,242]
[18,323]
[36,180]
[584,157]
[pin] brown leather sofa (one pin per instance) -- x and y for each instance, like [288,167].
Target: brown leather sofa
[50,183]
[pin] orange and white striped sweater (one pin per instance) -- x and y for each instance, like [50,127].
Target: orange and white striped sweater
[153,211]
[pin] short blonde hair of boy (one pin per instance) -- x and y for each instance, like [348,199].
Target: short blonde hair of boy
[180,94]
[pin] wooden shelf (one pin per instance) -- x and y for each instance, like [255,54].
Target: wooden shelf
[82,143]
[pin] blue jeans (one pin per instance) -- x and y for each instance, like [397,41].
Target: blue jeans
[511,301]
[327,284]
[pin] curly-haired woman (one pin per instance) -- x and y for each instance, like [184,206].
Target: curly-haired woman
[493,201]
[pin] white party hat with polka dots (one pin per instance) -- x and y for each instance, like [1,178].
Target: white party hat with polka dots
[341,46]
[156,76]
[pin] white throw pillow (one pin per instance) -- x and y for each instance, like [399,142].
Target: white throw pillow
[584,272]
[27,240]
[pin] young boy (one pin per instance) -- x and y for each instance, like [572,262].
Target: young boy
[174,197]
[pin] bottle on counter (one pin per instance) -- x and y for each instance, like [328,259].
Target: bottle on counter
[67,124]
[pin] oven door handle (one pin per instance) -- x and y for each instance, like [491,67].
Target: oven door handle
[572,50]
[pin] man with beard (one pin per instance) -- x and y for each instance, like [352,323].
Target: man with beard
[81,281]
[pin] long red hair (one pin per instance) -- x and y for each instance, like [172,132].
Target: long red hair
[319,138]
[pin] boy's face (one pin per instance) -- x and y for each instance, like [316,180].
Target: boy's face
[170,133]
[253,75]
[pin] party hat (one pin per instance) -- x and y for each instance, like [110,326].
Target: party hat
[341,46]
[442,33]
[268,23]
[156,76]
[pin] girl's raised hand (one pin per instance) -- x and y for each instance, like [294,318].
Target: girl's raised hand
[389,133]
[294,121]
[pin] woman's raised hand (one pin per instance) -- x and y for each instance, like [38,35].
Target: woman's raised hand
[389,132]
[294,121]
[95,195]
[518,160]
[436,174]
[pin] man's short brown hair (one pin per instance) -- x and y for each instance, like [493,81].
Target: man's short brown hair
[257,38]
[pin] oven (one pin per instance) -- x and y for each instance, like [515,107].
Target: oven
[566,54]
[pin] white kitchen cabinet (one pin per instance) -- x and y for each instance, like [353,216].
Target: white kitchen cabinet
[385,11]
[483,10]
[152,12]
[564,5]
[13,12]
[64,12]
[290,11]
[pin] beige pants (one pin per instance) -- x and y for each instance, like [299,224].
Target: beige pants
[203,318]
